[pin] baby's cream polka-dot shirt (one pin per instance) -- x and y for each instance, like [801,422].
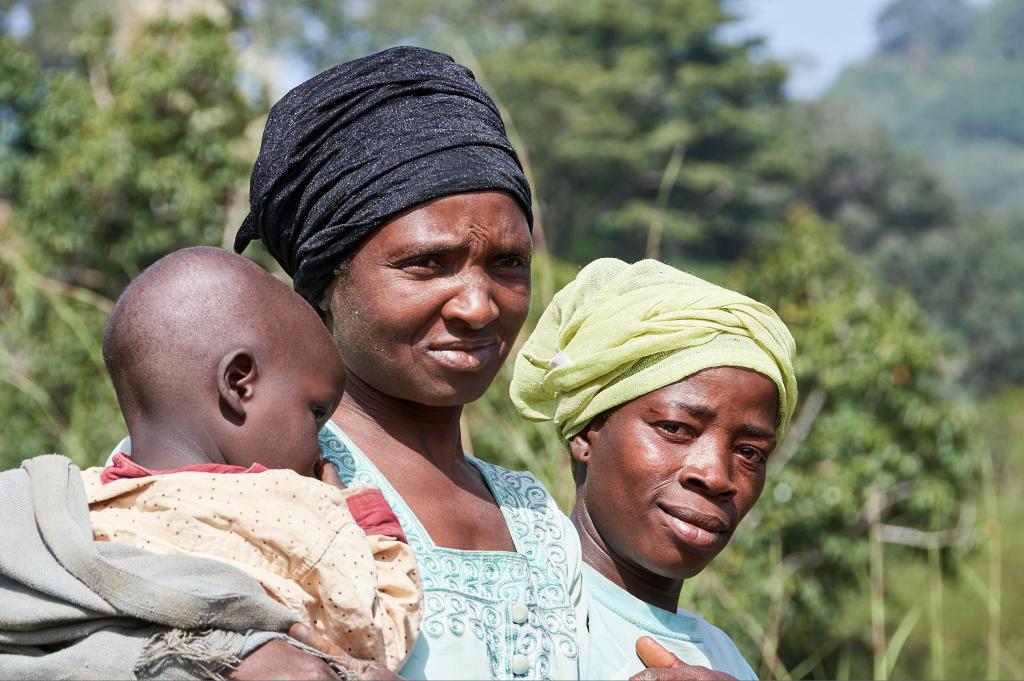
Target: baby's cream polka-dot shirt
[294,534]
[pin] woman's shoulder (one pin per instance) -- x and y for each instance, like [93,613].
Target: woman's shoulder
[706,629]
[720,647]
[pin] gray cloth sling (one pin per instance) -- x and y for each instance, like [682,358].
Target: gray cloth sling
[71,607]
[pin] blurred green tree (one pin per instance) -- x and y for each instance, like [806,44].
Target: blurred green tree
[883,198]
[129,149]
[914,25]
[953,104]
[956,106]
[968,278]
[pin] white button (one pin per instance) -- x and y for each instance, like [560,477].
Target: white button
[520,613]
[520,665]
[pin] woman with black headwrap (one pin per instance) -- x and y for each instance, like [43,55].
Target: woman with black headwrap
[387,188]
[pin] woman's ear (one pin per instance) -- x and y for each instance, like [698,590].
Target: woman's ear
[579,445]
[582,444]
[326,317]
[236,383]
[324,308]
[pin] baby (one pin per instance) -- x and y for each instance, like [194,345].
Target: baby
[224,377]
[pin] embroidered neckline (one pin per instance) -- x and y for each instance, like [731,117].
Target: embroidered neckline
[407,513]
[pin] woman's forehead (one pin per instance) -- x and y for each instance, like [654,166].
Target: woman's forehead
[707,393]
[457,237]
[447,228]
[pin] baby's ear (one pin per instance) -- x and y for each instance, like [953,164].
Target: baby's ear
[236,382]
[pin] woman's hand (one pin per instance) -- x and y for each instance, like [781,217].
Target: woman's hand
[664,666]
[362,668]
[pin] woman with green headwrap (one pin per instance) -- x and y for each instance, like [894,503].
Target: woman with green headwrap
[670,394]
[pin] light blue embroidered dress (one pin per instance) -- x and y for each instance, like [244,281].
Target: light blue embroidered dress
[616,619]
[488,614]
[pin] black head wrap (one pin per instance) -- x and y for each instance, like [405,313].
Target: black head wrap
[363,141]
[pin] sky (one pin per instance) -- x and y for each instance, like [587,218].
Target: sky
[817,39]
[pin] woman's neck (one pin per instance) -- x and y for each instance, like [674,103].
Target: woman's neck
[418,449]
[661,592]
[432,432]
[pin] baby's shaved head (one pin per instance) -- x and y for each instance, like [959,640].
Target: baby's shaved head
[177,319]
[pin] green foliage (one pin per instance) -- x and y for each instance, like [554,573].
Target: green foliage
[956,105]
[951,102]
[127,157]
[54,394]
[916,25]
[616,92]
[964,620]
[968,276]
[882,198]
[110,161]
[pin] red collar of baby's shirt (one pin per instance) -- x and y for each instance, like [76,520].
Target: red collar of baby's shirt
[123,467]
[368,507]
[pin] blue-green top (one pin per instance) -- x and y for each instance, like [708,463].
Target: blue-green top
[488,614]
[616,619]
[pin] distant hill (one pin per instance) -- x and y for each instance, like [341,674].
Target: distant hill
[948,83]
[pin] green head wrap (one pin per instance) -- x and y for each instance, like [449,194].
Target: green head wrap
[620,331]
